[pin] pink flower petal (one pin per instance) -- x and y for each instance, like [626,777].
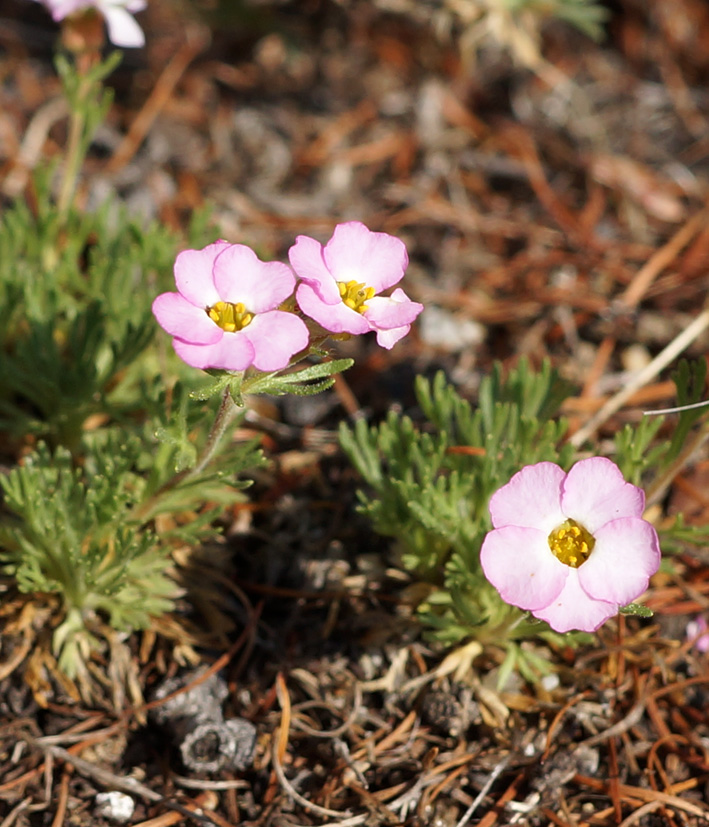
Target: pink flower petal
[306,258]
[388,338]
[696,632]
[241,276]
[337,318]
[59,9]
[395,311]
[626,554]
[356,253]
[193,274]
[276,336]
[594,493]
[531,498]
[122,28]
[574,609]
[232,352]
[180,318]
[520,565]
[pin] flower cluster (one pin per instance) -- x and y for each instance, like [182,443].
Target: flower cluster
[233,311]
[122,28]
[571,548]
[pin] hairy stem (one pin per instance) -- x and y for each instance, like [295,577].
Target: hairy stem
[226,414]
[228,409]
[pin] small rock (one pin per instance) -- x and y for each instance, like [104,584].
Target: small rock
[439,328]
[114,806]
[219,745]
[202,702]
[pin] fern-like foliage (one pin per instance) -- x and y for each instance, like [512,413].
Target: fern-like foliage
[429,487]
[75,320]
[69,532]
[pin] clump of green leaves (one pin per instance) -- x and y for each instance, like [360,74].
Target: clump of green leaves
[69,532]
[75,321]
[117,445]
[429,487]
[85,531]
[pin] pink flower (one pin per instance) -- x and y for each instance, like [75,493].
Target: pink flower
[697,631]
[570,548]
[224,315]
[122,29]
[341,282]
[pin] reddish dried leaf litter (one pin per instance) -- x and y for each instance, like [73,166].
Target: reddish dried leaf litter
[555,211]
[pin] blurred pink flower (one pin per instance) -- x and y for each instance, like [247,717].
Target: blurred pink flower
[122,28]
[224,315]
[341,282]
[570,548]
[697,631]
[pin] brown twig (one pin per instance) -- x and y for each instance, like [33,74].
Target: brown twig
[197,40]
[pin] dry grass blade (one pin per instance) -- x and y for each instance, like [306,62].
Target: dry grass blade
[197,41]
[662,258]
[497,771]
[640,793]
[206,800]
[294,794]
[661,361]
[117,782]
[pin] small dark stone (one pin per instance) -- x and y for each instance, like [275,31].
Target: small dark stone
[219,745]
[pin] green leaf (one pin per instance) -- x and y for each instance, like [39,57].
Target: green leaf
[637,610]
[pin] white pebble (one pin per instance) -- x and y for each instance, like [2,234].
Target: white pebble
[115,806]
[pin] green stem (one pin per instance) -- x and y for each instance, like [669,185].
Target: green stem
[228,410]
[74,151]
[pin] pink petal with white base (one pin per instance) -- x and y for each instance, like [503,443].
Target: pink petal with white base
[180,318]
[241,276]
[574,609]
[395,311]
[356,253]
[594,493]
[531,498]
[276,336]
[337,318]
[232,352]
[306,258]
[518,563]
[626,554]
[194,277]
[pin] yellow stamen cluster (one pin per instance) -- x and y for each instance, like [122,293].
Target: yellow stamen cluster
[571,543]
[355,294]
[230,317]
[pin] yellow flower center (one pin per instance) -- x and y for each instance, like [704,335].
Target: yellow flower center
[230,317]
[355,294]
[571,543]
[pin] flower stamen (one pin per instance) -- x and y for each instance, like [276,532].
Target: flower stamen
[355,294]
[231,317]
[571,543]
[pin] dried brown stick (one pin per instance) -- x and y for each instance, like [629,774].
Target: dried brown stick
[673,349]
[661,259]
[163,89]
[116,782]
